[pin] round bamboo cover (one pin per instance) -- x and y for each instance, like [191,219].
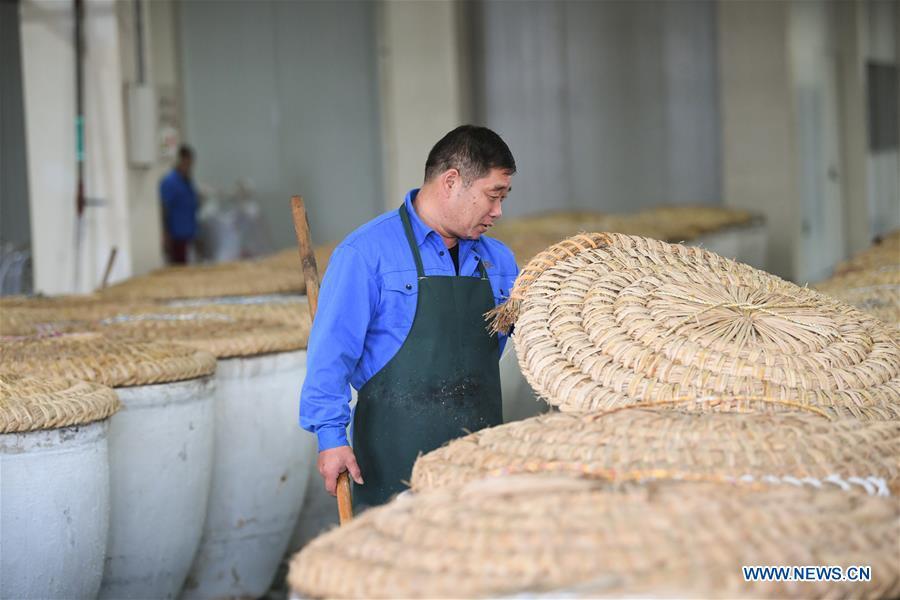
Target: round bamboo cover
[220,334]
[608,320]
[94,358]
[635,444]
[529,534]
[29,403]
[207,281]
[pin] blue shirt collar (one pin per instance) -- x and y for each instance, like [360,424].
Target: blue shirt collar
[420,229]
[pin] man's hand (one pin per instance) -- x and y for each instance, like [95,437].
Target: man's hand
[333,462]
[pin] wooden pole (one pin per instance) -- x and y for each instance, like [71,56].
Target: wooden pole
[109,265]
[311,275]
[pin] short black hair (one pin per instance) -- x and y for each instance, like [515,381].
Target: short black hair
[471,150]
[185,151]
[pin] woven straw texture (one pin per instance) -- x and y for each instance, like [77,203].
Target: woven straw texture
[208,281]
[32,317]
[885,253]
[607,320]
[636,444]
[30,403]
[289,258]
[535,533]
[221,335]
[527,236]
[94,358]
[881,301]
[284,310]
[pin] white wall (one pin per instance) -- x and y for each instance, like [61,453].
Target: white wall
[62,263]
[606,105]
[285,93]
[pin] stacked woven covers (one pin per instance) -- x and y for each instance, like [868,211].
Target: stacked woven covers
[571,538]
[54,462]
[712,416]
[870,280]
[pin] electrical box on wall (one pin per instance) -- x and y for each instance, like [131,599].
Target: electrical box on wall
[141,110]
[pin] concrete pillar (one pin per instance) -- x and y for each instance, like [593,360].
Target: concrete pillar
[759,165]
[422,65]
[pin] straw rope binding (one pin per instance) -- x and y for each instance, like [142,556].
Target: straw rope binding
[638,444]
[608,320]
[29,403]
[534,534]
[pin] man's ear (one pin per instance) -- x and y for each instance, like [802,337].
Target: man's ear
[449,180]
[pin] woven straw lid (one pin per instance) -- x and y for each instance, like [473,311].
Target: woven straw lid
[92,357]
[31,317]
[29,403]
[632,444]
[885,253]
[536,533]
[881,301]
[290,259]
[206,281]
[608,320]
[289,310]
[685,222]
[222,335]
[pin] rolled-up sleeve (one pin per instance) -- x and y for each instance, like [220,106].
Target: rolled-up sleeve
[347,302]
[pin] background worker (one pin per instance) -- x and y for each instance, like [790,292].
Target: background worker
[179,207]
[401,319]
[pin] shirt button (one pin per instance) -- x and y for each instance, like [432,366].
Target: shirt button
[441,253]
[408,286]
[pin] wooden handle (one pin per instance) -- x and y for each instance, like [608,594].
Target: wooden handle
[307,256]
[109,265]
[345,505]
[311,275]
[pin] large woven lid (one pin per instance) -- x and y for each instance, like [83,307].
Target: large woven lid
[92,357]
[29,403]
[289,258]
[290,310]
[881,300]
[220,334]
[688,221]
[531,533]
[204,281]
[798,448]
[885,253]
[608,320]
[34,315]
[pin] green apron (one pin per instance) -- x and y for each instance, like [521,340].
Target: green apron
[442,383]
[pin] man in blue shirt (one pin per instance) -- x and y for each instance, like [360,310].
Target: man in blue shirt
[401,319]
[179,207]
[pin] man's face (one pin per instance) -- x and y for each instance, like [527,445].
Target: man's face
[474,209]
[186,164]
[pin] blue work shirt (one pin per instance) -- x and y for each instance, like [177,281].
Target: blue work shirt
[180,203]
[367,305]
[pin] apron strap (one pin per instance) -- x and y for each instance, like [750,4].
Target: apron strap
[411,239]
[407,227]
